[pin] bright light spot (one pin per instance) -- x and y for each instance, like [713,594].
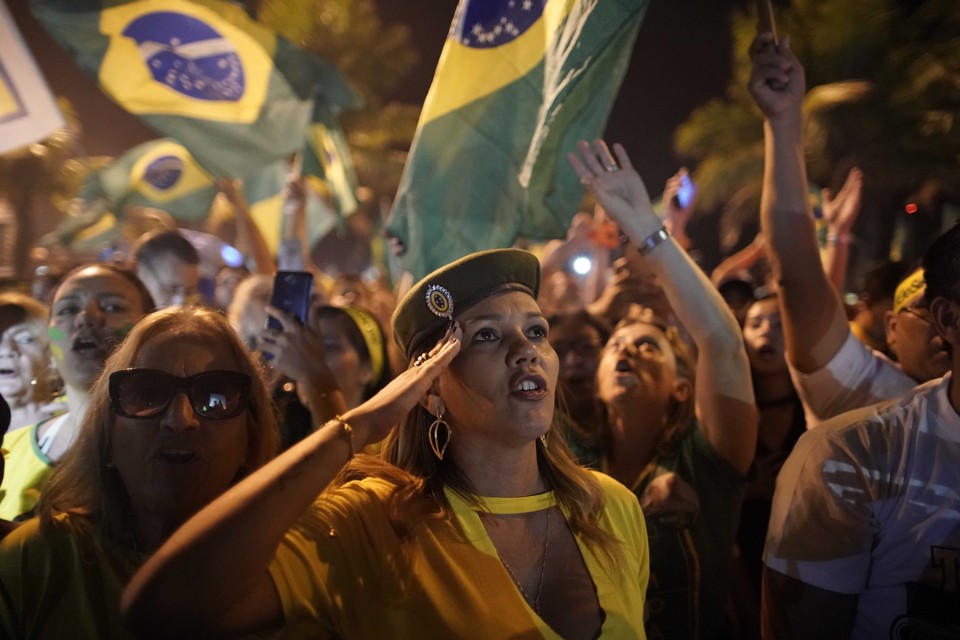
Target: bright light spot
[911,208]
[582,265]
[231,257]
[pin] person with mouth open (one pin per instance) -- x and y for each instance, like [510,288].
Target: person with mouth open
[27,378]
[685,449]
[93,309]
[179,414]
[478,521]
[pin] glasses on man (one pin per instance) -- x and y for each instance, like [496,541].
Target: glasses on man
[147,393]
[921,313]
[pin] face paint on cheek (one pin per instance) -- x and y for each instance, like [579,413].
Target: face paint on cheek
[56,333]
[57,352]
[121,332]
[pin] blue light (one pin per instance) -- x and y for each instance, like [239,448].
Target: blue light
[231,256]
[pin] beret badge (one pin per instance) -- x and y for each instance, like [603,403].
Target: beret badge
[440,302]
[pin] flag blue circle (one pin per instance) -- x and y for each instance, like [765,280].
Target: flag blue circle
[188,55]
[483,24]
[164,172]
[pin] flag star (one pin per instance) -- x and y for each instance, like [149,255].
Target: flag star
[527,5]
[477,29]
[497,30]
[175,42]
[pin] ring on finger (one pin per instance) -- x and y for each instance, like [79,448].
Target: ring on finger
[610,168]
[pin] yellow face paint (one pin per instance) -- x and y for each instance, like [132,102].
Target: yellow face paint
[57,352]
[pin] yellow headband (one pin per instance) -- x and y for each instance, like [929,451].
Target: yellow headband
[372,337]
[912,287]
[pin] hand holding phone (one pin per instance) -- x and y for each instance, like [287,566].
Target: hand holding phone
[291,293]
[686,191]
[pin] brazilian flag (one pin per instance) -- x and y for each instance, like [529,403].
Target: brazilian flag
[160,174]
[517,84]
[163,175]
[202,71]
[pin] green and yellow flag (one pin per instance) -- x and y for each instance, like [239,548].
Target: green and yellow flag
[160,174]
[202,71]
[517,84]
[327,163]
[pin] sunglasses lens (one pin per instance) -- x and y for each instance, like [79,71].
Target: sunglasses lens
[143,394]
[218,394]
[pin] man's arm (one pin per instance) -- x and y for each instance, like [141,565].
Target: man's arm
[814,322]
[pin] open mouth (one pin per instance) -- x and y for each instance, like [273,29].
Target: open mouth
[86,346]
[766,350]
[529,387]
[176,456]
[624,366]
[5,372]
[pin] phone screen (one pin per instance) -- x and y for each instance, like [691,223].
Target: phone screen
[686,191]
[291,293]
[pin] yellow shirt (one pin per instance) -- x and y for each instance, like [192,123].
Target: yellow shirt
[343,567]
[27,470]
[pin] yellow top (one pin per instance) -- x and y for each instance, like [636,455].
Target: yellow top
[344,568]
[27,470]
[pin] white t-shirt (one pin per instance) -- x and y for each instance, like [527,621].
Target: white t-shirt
[869,504]
[855,377]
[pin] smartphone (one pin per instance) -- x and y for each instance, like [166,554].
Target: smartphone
[291,293]
[686,191]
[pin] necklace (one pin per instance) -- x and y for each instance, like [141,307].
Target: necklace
[535,601]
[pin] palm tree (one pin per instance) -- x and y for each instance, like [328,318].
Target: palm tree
[884,94]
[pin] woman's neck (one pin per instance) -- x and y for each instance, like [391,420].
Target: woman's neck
[634,436]
[502,474]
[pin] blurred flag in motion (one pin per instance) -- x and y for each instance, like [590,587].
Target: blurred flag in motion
[517,84]
[160,174]
[28,113]
[202,71]
[327,164]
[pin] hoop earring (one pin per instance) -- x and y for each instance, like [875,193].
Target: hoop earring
[437,441]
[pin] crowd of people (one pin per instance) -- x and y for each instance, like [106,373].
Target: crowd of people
[500,451]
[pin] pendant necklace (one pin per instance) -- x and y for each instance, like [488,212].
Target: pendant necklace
[535,601]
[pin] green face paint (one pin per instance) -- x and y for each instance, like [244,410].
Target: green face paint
[122,332]
[56,334]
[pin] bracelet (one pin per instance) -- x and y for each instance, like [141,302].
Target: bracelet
[833,239]
[653,241]
[347,432]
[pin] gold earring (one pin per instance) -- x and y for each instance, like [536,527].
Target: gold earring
[543,439]
[437,441]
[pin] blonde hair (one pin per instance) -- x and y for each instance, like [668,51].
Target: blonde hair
[420,478]
[82,484]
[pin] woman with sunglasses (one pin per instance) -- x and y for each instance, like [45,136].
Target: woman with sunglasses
[178,416]
[482,525]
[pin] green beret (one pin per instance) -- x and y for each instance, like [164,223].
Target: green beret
[449,291]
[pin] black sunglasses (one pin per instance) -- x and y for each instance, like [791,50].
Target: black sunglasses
[146,393]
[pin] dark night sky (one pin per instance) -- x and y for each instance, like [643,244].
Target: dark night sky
[681,59]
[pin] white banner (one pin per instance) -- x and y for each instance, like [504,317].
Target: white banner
[28,112]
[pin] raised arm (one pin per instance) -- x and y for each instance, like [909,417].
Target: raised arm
[248,234]
[814,322]
[743,259]
[840,212]
[725,402]
[211,579]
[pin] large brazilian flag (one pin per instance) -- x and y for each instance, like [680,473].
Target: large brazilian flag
[517,84]
[202,71]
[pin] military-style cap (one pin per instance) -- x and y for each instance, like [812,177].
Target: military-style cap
[449,291]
